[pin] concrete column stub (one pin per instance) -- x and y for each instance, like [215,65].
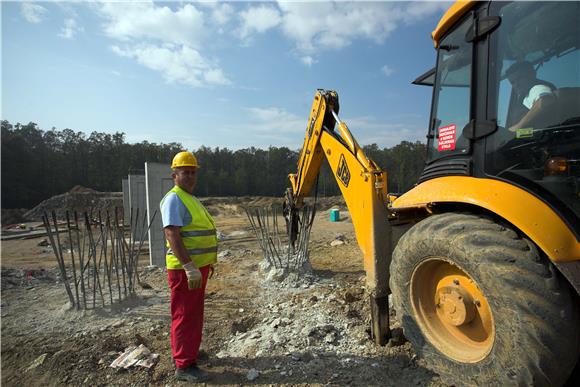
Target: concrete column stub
[126,201]
[138,203]
[158,182]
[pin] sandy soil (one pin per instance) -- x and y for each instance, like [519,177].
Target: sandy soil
[312,334]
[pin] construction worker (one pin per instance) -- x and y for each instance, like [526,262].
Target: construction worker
[535,97]
[192,250]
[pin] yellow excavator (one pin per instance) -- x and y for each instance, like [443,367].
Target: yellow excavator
[482,255]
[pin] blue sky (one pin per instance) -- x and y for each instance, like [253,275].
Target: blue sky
[219,74]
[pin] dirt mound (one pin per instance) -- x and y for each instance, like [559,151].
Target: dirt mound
[80,188]
[12,215]
[84,200]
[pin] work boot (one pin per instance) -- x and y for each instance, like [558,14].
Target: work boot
[192,374]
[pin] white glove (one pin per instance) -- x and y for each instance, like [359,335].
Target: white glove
[193,274]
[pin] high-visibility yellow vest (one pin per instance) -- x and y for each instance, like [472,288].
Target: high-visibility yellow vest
[199,237]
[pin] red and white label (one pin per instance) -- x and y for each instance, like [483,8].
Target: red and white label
[446,138]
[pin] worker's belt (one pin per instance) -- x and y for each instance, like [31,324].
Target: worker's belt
[195,233]
[198,251]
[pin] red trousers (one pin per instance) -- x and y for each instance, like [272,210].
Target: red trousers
[186,317]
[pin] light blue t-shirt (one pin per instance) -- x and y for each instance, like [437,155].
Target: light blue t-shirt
[174,212]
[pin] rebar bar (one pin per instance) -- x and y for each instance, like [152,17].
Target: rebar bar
[107,267]
[81,249]
[72,255]
[275,244]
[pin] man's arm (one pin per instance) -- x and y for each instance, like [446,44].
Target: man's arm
[173,236]
[537,114]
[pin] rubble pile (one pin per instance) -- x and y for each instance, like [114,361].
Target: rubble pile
[301,277]
[77,199]
[305,321]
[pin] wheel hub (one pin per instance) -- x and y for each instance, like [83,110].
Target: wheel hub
[455,305]
[451,310]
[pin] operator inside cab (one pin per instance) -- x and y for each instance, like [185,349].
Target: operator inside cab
[534,97]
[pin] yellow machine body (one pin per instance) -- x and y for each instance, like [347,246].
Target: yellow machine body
[453,14]
[522,209]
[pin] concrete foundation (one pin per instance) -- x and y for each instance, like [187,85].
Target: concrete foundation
[158,182]
[137,203]
[126,201]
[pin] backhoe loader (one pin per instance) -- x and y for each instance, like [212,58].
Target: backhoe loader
[482,255]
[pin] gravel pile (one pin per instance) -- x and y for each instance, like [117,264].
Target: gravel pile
[77,200]
[313,319]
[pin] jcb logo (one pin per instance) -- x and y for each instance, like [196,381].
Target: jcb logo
[342,171]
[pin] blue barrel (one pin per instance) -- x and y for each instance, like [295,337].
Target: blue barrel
[334,215]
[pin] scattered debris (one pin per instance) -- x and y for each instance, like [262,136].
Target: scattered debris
[239,233]
[339,239]
[37,362]
[43,243]
[135,356]
[252,374]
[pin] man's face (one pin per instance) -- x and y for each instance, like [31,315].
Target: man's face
[185,178]
[517,81]
[521,80]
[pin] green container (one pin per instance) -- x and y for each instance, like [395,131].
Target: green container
[334,215]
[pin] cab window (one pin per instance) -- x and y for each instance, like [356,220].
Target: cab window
[534,88]
[452,95]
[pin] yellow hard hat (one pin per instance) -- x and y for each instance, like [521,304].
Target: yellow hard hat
[184,159]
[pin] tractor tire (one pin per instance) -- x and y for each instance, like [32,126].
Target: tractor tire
[482,306]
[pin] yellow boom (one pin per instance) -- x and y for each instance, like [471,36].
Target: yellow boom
[364,187]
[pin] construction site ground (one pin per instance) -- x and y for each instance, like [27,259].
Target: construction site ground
[257,330]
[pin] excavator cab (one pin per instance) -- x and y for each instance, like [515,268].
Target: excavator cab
[506,100]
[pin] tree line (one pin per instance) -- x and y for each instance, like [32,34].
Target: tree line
[38,164]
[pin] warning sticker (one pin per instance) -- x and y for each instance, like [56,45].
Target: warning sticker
[446,138]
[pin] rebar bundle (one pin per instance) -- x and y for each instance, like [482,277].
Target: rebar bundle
[278,251]
[103,260]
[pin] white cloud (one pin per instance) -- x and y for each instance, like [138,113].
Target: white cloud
[275,120]
[33,13]
[180,64]
[417,10]
[387,70]
[315,26]
[145,20]
[169,41]
[221,13]
[70,28]
[308,60]
[177,28]
[258,20]
[334,25]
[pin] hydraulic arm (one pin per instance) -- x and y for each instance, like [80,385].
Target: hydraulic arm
[364,187]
